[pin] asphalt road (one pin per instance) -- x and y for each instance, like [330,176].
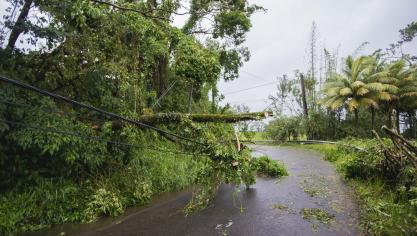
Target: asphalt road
[270,207]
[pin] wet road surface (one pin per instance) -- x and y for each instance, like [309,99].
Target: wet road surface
[270,207]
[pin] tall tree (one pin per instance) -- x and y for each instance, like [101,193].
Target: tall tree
[354,88]
[20,25]
[312,51]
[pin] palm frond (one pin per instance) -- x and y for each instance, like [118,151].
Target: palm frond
[353,104]
[362,91]
[374,86]
[368,102]
[337,103]
[332,91]
[357,84]
[409,94]
[384,96]
[345,91]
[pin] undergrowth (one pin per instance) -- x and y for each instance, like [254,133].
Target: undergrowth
[40,202]
[388,203]
[265,166]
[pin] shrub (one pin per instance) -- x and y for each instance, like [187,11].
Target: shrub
[388,198]
[264,165]
[104,202]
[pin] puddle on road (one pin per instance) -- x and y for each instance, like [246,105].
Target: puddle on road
[222,229]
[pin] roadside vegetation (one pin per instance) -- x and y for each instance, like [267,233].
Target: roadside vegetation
[349,103]
[387,197]
[61,163]
[265,166]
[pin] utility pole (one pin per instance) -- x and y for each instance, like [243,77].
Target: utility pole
[303,94]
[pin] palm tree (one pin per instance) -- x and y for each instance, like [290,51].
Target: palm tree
[354,87]
[399,88]
[408,97]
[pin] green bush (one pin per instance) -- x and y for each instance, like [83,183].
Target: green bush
[104,202]
[42,202]
[264,165]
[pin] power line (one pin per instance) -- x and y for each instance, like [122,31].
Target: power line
[258,86]
[97,139]
[31,108]
[92,108]
[266,108]
[253,75]
[164,93]
[249,101]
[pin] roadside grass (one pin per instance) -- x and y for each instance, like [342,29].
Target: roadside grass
[384,209]
[41,202]
[252,135]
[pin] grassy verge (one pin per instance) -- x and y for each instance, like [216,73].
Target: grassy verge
[388,206]
[40,202]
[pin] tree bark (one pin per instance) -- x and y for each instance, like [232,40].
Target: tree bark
[356,117]
[304,98]
[190,99]
[373,118]
[397,120]
[175,118]
[389,118]
[178,117]
[213,99]
[18,27]
[411,124]
[303,94]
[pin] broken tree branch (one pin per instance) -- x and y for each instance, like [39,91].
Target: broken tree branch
[178,117]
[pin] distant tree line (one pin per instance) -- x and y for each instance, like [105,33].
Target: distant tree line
[363,94]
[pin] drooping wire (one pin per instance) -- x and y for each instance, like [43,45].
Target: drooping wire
[96,139]
[92,108]
[250,88]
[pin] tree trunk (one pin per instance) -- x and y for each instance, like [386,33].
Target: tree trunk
[177,117]
[411,124]
[389,118]
[373,118]
[18,27]
[190,100]
[173,118]
[213,99]
[304,99]
[303,94]
[356,118]
[397,120]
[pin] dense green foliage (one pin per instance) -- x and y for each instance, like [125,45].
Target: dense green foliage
[264,165]
[39,201]
[284,129]
[60,163]
[388,197]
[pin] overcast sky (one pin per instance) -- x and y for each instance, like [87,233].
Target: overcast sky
[279,38]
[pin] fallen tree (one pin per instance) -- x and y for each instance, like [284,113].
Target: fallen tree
[172,118]
[402,152]
[161,118]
